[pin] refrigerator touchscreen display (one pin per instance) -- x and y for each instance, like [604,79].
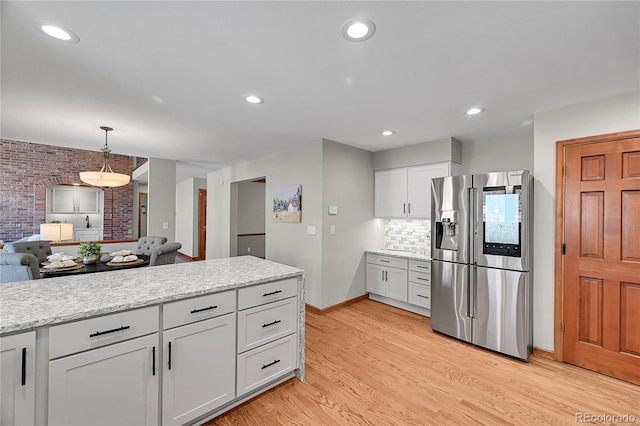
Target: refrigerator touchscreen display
[501,217]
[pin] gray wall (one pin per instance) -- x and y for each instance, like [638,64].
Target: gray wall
[187,214]
[162,198]
[250,213]
[512,151]
[347,184]
[286,243]
[615,114]
[438,151]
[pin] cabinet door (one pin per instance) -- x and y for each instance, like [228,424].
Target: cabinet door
[396,283]
[391,193]
[199,369]
[91,235]
[112,385]
[88,200]
[374,279]
[63,200]
[17,381]
[419,189]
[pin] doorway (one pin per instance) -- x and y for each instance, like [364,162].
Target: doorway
[142,214]
[202,224]
[597,309]
[248,218]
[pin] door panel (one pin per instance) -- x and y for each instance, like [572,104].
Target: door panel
[450,199]
[601,291]
[501,311]
[450,299]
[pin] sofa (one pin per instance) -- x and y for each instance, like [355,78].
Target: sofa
[18,267]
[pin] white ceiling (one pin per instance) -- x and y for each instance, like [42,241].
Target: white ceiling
[170,76]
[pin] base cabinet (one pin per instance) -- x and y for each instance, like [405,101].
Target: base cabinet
[114,385]
[199,369]
[17,379]
[387,276]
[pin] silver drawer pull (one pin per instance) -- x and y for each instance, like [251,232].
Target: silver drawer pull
[204,309]
[100,333]
[271,323]
[421,295]
[423,279]
[385,261]
[423,267]
[272,293]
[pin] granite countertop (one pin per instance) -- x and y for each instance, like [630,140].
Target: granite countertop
[398,253]
[30,304]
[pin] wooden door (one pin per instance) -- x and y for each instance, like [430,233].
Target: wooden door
[601,283]
[202,224]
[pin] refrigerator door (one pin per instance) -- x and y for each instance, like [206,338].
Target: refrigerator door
[451,215]
[450,299]
[501,311]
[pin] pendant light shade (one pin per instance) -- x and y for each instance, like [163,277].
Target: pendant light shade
[105,178]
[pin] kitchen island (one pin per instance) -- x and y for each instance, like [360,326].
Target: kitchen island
[168,345]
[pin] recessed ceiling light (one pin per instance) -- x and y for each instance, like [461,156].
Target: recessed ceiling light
[474,111]
[59,33]
[388,133]
[253,99]
[358,29]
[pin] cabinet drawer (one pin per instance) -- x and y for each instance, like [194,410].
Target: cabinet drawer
[273,291]
[263,324]
[266,363]
[394,262]
[420,277]
[420,295]
[420,266]
[198,309]
[91,333]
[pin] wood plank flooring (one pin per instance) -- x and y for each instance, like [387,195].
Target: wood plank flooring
[373,364]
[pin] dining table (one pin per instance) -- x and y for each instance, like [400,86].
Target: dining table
[97,266]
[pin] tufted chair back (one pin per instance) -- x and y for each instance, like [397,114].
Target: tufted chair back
[165,254]
[147,245]
[18,267]
[40,249]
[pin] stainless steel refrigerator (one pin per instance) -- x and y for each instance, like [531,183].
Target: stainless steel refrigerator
[481,250]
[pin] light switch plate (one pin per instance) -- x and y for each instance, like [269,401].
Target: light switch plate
[332,230]
[333,209]
[165,225]
[311,230]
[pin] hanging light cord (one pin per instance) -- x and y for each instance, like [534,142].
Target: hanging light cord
[105,152]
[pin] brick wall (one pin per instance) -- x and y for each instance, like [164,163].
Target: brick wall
[27,169]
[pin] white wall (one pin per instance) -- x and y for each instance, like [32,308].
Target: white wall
[286,243]
[348,184]
[511,151]
[251,202]
[615,114]
[162,198]
[187,214]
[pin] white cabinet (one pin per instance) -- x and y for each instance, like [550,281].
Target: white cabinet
[420,283]
[387,276]
[17,379]
[406,192]
[71,199]
[199,369]
[87,234]
[112,385]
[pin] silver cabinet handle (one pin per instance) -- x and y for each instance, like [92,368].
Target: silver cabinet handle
[409,208]
[382,275]
[386,275]
[404,208]
[422,295]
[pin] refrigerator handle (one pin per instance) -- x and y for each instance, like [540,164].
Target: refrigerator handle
[471,300]
[474,216]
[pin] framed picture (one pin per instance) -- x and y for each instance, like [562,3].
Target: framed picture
[287,204]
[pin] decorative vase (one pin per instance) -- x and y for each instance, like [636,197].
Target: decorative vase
[90,259]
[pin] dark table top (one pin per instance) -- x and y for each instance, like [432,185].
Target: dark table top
[95,267]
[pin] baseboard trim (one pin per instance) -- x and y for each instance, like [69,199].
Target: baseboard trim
[189,258]
[543,353]
[319,311]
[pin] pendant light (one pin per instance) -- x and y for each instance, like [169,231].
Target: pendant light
[105,178]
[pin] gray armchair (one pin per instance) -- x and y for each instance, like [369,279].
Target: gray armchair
[164,254]
[18,267]
[147,245]
[40,249]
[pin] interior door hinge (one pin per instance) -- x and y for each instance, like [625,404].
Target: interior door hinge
[564,248]
[562,327]
[564,170]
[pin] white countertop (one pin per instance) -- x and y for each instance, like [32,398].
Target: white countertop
[31,304]
[398,253]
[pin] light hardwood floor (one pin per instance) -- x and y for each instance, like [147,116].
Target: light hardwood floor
[372,364]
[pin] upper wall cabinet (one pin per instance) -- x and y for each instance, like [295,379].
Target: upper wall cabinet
[69,199]
[406,193]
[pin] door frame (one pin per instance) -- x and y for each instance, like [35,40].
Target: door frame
[140,195]
[561,146]
[202,224]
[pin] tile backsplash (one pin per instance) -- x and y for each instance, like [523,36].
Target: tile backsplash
[410,235]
